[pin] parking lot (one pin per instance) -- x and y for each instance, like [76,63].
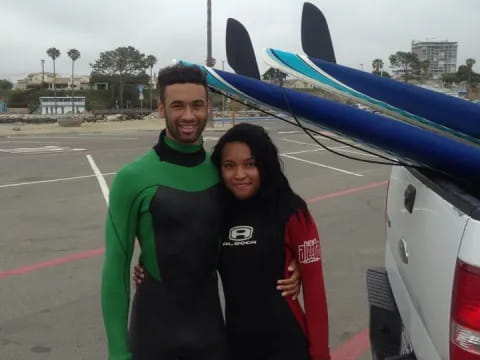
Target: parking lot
[52,223]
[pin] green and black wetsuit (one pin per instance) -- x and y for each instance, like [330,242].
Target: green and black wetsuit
[169,200]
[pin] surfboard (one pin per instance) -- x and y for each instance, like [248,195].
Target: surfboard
[414,104]
[410,143]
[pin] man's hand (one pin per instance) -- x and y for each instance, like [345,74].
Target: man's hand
[291,286]
[138,275]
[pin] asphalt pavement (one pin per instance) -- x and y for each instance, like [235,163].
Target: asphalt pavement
[52,213]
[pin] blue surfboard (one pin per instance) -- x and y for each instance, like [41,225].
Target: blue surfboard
[419,106]
[413,144]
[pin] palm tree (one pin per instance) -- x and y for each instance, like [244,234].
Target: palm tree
[54,53]
[150,61]
[74,54]
[377,66]
[470,62]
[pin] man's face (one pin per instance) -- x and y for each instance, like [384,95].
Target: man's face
[185,109]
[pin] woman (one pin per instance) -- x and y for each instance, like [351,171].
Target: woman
[267,225]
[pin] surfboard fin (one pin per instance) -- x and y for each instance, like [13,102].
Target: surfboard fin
[240,53]
[316,39]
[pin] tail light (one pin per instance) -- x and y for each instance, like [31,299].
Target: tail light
[465,314]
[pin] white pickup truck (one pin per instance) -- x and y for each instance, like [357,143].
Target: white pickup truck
[425,302]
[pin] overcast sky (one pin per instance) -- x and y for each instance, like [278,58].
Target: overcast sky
[361,29]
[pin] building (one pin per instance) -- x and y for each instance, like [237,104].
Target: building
[3,105]
[63,105]
[65,83]
[61,82]
[297,84]
[442,56]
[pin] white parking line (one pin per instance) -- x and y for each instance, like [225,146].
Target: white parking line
[322,165]
[357,153]
[323,137]
[336,148]
[313,150]
[100,137]
[311,143]
[39,150]
[52,180]
[100,178]
[290,132]
[25,141]
[299,142]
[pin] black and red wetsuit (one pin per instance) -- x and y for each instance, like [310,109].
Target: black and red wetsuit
[261,324]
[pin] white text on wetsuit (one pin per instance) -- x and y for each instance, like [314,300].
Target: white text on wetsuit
[309,251]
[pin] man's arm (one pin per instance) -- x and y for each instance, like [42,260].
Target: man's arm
[291,286]
[120,234]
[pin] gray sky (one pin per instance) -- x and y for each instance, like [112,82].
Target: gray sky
[361,29]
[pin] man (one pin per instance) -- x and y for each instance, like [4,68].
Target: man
[169,199]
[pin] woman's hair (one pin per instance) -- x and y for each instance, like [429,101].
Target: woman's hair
[275,190]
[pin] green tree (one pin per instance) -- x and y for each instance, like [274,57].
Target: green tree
[405,61]
[377,65]
[54,53]
[150,61]
[121,63]
[422,70]
[449,78]
[463,74]
[5,84]
[470,62]
[130,88]
[74,54]
[274,75]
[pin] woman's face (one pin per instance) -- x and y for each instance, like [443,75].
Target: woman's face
[239,170]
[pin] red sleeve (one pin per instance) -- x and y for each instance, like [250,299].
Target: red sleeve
[302,236]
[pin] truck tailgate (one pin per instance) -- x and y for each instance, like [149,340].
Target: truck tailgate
[424,232]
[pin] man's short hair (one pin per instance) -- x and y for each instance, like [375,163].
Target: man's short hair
[180,74]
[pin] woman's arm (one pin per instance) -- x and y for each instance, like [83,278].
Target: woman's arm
[305,241]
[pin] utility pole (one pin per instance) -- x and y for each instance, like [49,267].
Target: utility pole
[223,97]
[43,71]
[55,86]
[210,60]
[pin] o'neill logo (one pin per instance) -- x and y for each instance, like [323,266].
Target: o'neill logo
[239,236]
[309,252]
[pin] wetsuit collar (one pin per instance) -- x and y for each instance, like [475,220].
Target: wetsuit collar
[172,151]
[191,148]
